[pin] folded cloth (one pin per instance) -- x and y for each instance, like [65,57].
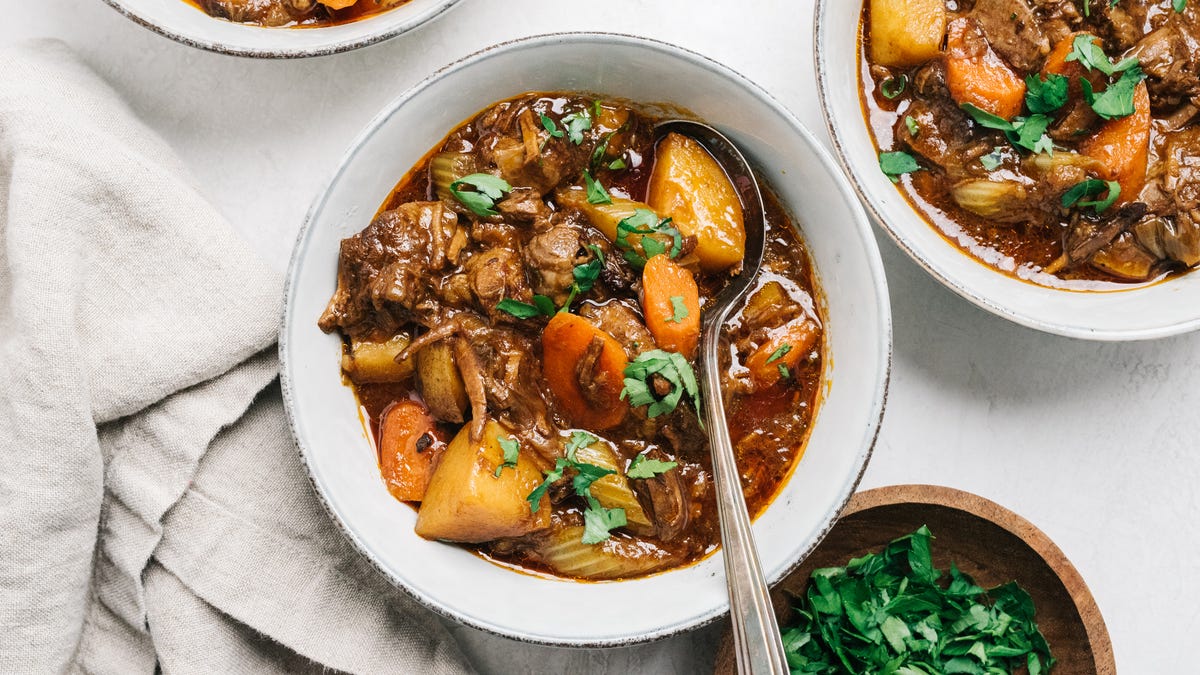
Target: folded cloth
[153,509]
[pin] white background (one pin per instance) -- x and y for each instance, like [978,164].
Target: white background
[1095,443]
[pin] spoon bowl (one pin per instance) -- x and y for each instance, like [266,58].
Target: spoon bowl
[756,638]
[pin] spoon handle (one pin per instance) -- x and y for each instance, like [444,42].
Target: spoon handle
[756,636]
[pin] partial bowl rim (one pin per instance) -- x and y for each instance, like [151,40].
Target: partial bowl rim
[862,230]
[832,124]
[248,51]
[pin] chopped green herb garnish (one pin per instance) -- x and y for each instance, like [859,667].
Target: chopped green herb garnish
[1024,132]
[512,449]
[1045,95]
[1179,5]
[644,467]
[895,164]
[779,353]
[617,164]
[992,160]
[646,223]
[489,189]
[1117,100]
[893,86]
[784,372]
[894,612]
[1087,51]
[598,521]
[579,439]
[913,127]
[1092,188]
[550,127]
[542,306]
[599,151]
[672,367]
[576,124]
[585,276]
[596,194]
[679,310]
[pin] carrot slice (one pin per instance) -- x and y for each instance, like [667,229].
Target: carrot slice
[1123,147]
[409,444]
[975,74]
[566,341]
[785,346]
[671,305]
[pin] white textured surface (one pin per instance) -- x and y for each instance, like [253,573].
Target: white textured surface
[1095,443]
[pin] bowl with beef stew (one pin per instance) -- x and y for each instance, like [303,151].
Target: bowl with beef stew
[489,341]
[1035,157]
[280,28]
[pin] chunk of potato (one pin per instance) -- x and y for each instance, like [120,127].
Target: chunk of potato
[376,361]
[441,384]
[688,185]
[906,32]
[467,502]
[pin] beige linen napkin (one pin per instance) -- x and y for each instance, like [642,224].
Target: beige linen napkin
[153,511]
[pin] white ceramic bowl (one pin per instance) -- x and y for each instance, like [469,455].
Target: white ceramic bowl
[183,22]
[1154,311]
[325,419]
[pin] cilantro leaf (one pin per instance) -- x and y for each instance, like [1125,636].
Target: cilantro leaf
[1179,5]
[893,86]
[992,160]
[585,276]
[644,467]
[913,127]
[646,223]
[1087,51]
[617,164]
[986,119]
[596,194]
[579,439]
[679,310]
[512,449]
[1045,95]
[488,190]
[784,372]
[895,164]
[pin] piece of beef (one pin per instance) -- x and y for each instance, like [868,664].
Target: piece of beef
[944,137]
[496,274]
[621,322]
[263,12]
[385,271]
[1014,31]
[1170,57]
[552,257]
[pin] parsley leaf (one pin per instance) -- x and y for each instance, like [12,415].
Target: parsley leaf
[779,353]
[913,127]
[550,127]
[893,86]
[895,164]
[579,439]
[1087,51]
[488,190]
[644,467]
[679,310]
[1024,132]
[672,367]
[647,224]
[585,276]
[1118,99]
[1045,96]
[1179,5]
[784,372]
[888,612]
[512,449]
[597,521]
[617,164]
[992,160]
[1092,188]
[576,124]
[596,194]
[542,306]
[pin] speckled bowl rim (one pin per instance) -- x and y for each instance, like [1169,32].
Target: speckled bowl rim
[834,125]
[862,229]
[289,53]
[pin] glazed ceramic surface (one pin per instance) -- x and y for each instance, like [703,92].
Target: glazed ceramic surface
[1166,308]
[184,22]
[324,414]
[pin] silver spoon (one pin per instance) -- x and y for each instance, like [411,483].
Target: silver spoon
[756,636]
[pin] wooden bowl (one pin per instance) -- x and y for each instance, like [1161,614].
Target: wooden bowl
[987,541]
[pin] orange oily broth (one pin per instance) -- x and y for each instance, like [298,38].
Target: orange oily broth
[769,428]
